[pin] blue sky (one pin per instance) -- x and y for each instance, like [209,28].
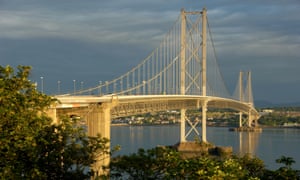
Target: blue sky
[92,41]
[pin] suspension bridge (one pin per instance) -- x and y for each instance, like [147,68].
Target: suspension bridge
[181,73]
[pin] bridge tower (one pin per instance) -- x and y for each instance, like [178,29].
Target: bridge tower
[183,71]
[204,104]
[241,96]
[245,95]
[250,99]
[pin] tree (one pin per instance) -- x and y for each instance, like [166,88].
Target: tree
[31,147]
[166,163]
[287,161]
[255,167]
[285,172]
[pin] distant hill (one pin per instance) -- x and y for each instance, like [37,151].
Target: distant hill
[265,104]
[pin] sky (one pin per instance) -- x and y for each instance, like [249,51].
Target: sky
[96,40]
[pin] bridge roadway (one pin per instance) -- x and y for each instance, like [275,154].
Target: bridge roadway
[127,105]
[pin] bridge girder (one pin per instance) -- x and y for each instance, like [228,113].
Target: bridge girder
[122,106]
[173,102]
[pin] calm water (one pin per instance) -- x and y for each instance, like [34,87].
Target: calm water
[268,145]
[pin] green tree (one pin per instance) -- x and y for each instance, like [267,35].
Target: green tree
[287,161]
[166,163]
[31,147]
[254,167]
[284,172]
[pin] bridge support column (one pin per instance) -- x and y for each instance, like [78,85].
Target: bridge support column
[249,119]
[204,110]
[98,122]
[182,125]
[51,112]
[240,120]
[255,123]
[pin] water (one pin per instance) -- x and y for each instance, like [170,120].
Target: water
[268,145]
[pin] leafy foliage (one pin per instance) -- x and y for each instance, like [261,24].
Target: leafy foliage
[287,161]
[166,163]
[286,172]
[31,147]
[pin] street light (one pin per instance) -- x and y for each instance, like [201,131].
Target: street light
[144,87]
[42,84]
[81,86]
[121,85]
[58,87]
[35,85]
[100,84]
[74,83]
[106,83]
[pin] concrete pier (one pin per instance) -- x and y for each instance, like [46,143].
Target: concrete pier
[192,149]
[98,122]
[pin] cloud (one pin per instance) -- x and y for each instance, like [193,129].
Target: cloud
[98,25]
[110,37]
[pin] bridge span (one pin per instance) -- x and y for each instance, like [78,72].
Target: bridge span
[129,105]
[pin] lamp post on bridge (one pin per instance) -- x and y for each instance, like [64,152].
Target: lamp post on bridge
[100,83]
[42,84]
[106,83]
[144,87]
[74,86]
[121,86]
[115,86]
[81,86]
[58,87]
